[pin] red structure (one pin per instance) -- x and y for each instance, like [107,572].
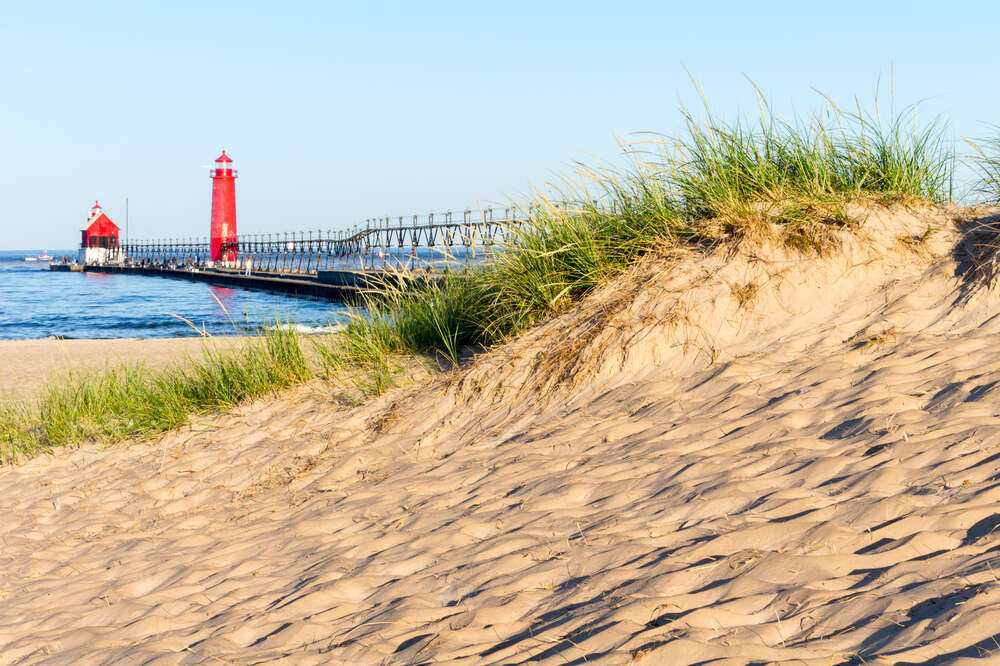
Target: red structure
[223,244]
[100,231]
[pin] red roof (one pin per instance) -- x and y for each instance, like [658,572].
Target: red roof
[104,226]
[101,225]
[223,157]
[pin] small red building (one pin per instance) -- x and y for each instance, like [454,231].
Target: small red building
[98,238]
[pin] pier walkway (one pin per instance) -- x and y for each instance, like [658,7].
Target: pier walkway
[335,285]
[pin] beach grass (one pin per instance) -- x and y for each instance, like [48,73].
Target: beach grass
[757,170]
[132,401]
[717,181]
[986,161]
[403,318]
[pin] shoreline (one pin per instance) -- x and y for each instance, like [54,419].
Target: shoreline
[28,365]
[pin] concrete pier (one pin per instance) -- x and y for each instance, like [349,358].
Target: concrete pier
[346,286]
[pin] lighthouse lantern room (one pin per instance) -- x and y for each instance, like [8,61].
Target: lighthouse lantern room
[224,240]
[99,238]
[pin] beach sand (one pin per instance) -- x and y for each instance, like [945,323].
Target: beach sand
[27,365]
[719,458]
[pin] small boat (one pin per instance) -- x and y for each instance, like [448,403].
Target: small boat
[31,258]
[44,256]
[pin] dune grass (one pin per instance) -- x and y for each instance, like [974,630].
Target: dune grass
[756,170]
[403,318]
[134,402]
[986,161]
[715,181]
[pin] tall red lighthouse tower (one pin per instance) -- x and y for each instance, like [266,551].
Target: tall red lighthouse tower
[223,209]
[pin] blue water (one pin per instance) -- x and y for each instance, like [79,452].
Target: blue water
[38,303]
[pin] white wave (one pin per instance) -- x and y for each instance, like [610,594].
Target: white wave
[310,330]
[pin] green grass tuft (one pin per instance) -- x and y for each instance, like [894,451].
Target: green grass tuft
[986,161]
[132,401]
[438,315]
[752,171]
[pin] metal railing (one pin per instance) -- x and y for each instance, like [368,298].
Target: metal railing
[431,241]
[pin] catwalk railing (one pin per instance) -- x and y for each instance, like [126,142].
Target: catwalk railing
[431,241]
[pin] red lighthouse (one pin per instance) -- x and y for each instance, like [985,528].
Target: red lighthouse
[223,209]
[99,238]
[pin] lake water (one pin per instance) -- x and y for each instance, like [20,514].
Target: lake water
[38,303]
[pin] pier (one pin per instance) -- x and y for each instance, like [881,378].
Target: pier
[335,265]
[343,286]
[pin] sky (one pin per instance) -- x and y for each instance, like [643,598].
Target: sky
[339,111]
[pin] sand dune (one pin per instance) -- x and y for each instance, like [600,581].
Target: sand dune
[728,457]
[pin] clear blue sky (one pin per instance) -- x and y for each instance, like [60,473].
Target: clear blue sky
[339,111]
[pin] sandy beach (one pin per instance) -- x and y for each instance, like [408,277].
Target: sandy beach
[723,457]
[29,364]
